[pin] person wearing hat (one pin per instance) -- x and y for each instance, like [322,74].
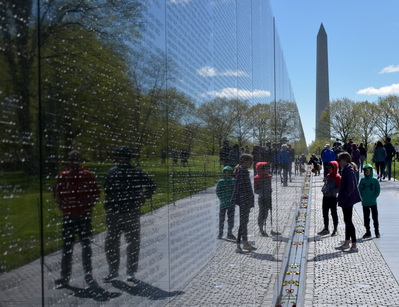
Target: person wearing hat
[76,192]
[126,188]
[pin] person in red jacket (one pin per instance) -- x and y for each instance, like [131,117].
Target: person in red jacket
[263,187]
[76,192]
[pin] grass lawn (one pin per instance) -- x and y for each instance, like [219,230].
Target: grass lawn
[20,221]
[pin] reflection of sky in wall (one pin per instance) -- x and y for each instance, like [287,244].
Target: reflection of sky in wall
[233,53]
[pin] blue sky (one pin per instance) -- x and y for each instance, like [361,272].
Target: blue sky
[363,49]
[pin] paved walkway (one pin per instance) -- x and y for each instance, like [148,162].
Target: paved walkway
[182,263]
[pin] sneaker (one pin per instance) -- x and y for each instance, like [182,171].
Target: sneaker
[334,233]
[353,250]
[131,278]
[367,235]
[230,236]
[263,234]
[275,233]
[249,247]
[323,232]
[110,277]
[61,283]
[238,250]
[342,247]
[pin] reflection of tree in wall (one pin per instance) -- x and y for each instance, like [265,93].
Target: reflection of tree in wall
[20,48]
[284,121]
[261,121]
[242,128]
[218,120]
[86,99]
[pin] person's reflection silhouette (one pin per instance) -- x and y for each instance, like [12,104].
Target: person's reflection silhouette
[126,188]
[76,192]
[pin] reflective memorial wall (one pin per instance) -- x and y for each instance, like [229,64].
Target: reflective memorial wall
[165,85]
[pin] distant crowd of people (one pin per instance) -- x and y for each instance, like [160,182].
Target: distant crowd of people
[342,187]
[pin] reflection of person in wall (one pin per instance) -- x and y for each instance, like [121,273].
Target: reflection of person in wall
[234,155]
[184,157]
[224,191]
[263,187]
[76,192]
[284,160]
[126,188]
[163,156]
[224,153]
[175,157]
[243,197]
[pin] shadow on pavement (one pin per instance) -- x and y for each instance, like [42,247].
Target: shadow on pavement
[321,257]
[146,290]
[96,293]
[266,257]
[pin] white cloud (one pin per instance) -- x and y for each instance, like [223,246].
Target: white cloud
[238,73]
[207,71]
[389,69]
[382,91]
[230,93]
[179,1]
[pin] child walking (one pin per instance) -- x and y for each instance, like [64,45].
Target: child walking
[330,191]
[263,187]
[369,189]
[224,191]
[243,197]
[348,195]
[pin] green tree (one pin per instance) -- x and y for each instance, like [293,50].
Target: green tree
[343,119]
[387,116]
[365,112]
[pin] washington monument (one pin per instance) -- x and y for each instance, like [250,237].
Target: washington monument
[322,85]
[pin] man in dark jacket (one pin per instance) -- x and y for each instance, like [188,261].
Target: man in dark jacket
[390,150]
[126,188]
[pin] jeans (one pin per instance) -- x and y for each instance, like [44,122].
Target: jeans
[72,227]
[230,219]
[127,223]
[265,205]
[330,203]
[244,219]
[388,167]
[366,216]
[350,231]
[362,159]
[379,168]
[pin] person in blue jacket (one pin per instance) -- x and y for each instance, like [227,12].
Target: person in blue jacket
[369,189]
[327,155]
